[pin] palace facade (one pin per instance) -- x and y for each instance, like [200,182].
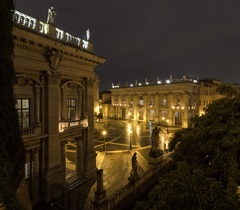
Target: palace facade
[57,92]
[172,103]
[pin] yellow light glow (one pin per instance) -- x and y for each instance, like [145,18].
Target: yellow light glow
[104,132]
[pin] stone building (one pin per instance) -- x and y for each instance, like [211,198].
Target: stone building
[171,103]
[55,91]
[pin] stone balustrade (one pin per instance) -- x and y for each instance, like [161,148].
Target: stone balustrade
[43,28]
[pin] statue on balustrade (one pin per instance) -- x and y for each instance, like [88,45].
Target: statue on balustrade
[134,173]
[51,15]
[155,148]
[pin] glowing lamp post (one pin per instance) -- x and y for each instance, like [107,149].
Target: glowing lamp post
[104,133]
[163,119]
[129,116]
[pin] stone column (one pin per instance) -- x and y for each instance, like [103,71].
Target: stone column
[79,108]
[37,105]
[146,104]
[35,196]
[55,173]
[79,156]
[63,148]
[170,110]
[157,106]
[100,199]
[63,104]
[90,154]
[185,111]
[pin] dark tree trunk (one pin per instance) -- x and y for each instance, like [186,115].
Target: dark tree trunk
[12,152]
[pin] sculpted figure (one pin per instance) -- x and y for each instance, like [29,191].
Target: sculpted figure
[155,137]
[134,163]
[88,34]
[51,15]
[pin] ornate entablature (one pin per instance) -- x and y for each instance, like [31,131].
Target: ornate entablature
[42,27]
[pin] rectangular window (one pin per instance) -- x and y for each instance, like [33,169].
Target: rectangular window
[141,101]
[151,102]
[71,109]
[29,170]
[178,102]
[23,109]
[164,102]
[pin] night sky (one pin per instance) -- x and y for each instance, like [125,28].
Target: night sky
[152,38]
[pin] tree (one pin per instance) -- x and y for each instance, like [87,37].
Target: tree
[207,157]
[183,189]
[227,90]
[12,152]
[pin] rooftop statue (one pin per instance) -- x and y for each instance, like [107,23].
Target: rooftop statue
[87,34]
[51,15]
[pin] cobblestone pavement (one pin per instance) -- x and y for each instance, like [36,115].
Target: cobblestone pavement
[116,162]
[116,170]
[114,154]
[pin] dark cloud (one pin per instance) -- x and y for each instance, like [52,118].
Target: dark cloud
[157,38]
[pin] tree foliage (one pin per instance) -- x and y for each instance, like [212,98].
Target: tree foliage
[207,157]
[227,90]
[12,153]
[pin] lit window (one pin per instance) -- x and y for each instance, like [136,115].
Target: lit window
[151,102]
[71,109]
[164,102]
[23,109]
[141,101]
[29,170]
[178,102]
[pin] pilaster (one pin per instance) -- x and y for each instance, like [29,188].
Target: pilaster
[100,198]
[90,154]
[79,156]
[55,173]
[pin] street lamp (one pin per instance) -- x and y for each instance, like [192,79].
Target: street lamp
[130,141]
[129,113]
[163,118]
[104,133]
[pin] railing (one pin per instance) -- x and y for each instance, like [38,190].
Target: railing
[157,82]
[27,131]
[31,130]
[178,106]
[68,124]
[43,28]
[128,189]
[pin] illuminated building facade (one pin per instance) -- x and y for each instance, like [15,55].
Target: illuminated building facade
[172,102]
[55,92]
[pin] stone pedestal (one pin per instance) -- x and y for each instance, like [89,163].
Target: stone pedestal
[133,177]
[100,199]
